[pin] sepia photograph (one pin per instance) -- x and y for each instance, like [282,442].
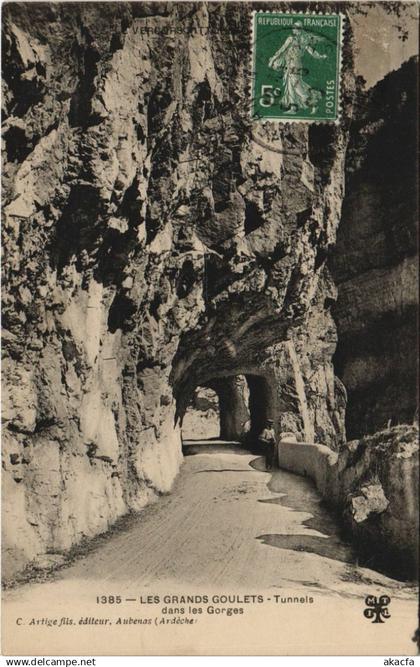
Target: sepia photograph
[209,328]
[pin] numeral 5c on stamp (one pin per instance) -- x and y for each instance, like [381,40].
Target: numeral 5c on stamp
[296,66]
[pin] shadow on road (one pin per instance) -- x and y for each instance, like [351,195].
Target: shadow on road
[299,495]
[259,464]
[322,546]
[213,446]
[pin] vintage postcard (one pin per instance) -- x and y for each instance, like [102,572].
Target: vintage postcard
[210,427]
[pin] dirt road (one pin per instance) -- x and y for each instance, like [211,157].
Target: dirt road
[228,525]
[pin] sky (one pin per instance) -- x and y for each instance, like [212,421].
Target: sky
[378,49]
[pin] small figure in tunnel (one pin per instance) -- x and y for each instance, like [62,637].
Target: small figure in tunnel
[267,440]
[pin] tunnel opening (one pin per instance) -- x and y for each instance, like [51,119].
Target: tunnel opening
[202,416]
[229,409]
[261,406]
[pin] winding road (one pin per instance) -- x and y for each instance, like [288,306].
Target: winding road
[230,527]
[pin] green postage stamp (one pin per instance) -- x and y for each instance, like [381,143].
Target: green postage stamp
[296,65]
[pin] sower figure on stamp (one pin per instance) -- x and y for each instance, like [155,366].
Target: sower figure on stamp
[267,440]
[288,60]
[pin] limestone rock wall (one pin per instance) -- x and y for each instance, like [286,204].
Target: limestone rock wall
[155,238]
[380,474]
[375,261]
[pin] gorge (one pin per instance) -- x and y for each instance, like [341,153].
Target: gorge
[157,240]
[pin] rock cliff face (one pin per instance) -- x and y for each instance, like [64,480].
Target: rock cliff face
[378,480]
[157,239]
[375,260]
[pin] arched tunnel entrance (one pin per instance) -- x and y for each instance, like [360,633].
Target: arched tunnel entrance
[233,408]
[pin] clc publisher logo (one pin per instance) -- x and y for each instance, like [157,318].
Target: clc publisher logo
[377,608]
